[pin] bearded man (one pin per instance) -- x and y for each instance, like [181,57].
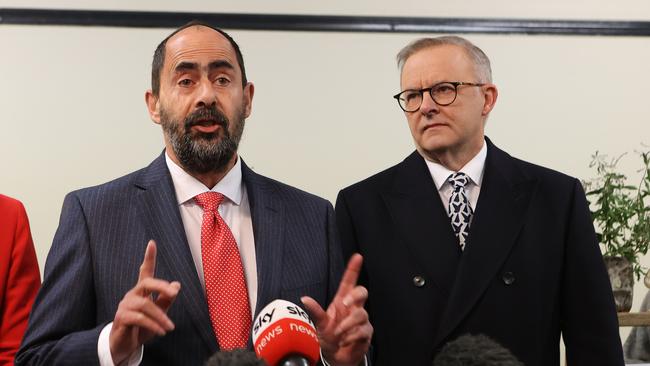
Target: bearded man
[171,263]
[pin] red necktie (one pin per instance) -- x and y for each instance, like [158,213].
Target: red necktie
[225,284]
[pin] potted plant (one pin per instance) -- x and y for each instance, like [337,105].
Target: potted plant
[621,215]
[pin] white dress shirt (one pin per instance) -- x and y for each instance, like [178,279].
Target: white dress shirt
[235,210]
[473,169]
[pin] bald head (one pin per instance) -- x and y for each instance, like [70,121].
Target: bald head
[159,54]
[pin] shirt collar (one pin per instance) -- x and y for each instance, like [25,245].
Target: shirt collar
[474,169]
[187,187]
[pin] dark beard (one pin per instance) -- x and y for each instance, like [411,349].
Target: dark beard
[200,152]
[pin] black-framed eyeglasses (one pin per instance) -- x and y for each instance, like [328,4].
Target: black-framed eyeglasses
[443,94]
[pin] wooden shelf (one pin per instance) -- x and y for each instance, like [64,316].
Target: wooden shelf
[634,319]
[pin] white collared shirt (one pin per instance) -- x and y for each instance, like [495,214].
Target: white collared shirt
[235,211]
[473,169]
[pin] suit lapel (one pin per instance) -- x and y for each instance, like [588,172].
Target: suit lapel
[421,221]
[500,214]
[164,224]
[267,212]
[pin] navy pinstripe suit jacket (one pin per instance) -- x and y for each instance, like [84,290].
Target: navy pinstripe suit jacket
[100,244]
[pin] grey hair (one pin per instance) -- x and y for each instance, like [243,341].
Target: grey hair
[476,55]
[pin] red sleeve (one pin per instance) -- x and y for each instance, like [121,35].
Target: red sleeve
[19,276]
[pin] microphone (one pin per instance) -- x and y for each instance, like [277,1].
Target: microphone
[283,335]
[475,350]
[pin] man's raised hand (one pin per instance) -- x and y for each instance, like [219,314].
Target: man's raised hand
[142,313]
[344,329]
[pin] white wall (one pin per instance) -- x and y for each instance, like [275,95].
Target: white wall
[549,9]
[73,114]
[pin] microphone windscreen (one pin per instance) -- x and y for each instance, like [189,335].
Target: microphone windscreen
[283,329]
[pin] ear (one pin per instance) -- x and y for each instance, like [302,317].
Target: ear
[153,106]
[490,93]
[249,90]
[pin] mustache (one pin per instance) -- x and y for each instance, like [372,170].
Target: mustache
[207,117]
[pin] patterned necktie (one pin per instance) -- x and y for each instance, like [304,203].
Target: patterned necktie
[460,210]
[225,284]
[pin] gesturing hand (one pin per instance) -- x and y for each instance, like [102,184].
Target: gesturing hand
[344,330]
[140,316]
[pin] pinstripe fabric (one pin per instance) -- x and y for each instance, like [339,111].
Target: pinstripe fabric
[100,244]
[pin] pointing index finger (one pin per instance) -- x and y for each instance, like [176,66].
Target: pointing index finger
[148,266]
[351,275]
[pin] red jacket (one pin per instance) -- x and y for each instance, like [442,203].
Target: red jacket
[19,276]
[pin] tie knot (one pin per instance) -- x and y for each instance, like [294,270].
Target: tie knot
[209,201]
[458,180]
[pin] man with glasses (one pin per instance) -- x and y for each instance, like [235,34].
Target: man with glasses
[460,237]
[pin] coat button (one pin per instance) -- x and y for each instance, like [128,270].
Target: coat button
[419,281]
[508,278]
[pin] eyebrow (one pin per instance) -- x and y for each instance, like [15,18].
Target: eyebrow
[189,66]
[220,64]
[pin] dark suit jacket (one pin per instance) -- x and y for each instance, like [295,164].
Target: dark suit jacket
[100,244]
[531,269]
[19,276]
